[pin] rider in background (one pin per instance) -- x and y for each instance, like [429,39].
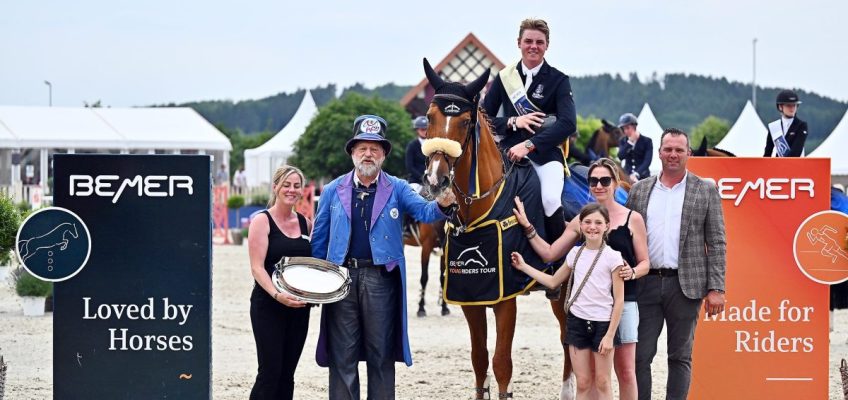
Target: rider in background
[787,134]
[519,99]
[415,160]
[635,150]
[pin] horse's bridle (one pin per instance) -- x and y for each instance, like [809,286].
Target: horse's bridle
[471,130]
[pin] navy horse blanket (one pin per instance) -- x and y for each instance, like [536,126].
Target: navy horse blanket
[477,264]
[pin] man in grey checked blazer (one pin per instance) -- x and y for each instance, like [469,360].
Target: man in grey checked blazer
[686,247]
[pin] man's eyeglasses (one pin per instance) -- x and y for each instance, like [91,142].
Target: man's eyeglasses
[604,181]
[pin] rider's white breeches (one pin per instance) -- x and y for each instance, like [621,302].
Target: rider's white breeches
[551,177]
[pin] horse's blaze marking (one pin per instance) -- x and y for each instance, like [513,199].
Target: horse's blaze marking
[431,175]
[447,125]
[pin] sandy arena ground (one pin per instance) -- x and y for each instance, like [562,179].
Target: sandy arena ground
[440,346]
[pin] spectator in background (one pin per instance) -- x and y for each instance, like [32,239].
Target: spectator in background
[635,151]
[787,134]
[240,181]
[222,177]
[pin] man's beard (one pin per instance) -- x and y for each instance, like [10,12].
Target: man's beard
[368,170]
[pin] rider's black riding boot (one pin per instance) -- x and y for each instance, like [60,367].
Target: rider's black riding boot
[554,225]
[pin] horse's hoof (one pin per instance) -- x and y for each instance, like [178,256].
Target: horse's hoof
[568,389]
[421,313]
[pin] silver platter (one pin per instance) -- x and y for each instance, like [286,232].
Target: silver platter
[311,280]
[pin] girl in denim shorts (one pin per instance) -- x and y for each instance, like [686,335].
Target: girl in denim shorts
[594,303]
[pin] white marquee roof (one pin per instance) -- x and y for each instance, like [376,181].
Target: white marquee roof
[746,138]
[834,147]
[650,127]
[108,128]
[260,162]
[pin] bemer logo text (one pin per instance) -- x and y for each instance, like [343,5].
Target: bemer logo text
[150,186]
[772,188]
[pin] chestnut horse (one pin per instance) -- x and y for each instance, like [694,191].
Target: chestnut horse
[457,127]
[603,140]
[425,236]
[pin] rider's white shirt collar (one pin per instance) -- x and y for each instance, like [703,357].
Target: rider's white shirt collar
[532,71]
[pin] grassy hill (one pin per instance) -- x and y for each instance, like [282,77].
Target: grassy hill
[678,100]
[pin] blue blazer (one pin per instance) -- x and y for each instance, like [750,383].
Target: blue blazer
[637,157]
[331,236]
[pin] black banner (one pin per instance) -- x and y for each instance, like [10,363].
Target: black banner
[135,322]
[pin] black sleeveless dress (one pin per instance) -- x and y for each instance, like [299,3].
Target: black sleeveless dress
[621,240]
[279,331]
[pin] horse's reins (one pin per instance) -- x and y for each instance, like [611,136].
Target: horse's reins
[471,130]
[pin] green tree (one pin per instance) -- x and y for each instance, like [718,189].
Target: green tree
[713,128]
[319,152]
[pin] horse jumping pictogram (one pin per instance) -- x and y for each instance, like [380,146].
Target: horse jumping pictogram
[58,236]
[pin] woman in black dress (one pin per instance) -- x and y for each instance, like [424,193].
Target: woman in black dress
[279,321]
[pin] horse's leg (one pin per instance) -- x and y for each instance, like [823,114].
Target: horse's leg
[445,309]
[475,317]
[505,312]
[557,306]
[426,249]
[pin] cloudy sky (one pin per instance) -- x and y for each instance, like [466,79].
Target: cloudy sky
[130,53]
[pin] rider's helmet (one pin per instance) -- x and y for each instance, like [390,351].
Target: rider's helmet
[627,119]
[787,97]
[420,122]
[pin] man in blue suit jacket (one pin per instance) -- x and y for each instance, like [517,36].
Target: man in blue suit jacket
[358,225]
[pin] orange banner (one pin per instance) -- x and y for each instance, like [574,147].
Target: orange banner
[772,340]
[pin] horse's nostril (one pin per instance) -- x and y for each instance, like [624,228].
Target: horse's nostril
[445,182]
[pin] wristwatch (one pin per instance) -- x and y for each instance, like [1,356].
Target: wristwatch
[529,145]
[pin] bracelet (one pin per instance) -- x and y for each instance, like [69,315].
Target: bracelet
[531,235]
[633,277]
[514,123]
[275,295]
[530,230]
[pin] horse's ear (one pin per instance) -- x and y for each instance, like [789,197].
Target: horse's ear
[607,124]
[478,84]
[435,80]
[702,149]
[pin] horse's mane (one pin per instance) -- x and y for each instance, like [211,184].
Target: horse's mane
[482,111]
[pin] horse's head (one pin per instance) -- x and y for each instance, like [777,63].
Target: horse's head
[613,132]
[453,118]
[604,138]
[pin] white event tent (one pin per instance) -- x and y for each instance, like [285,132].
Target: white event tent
[650,127]
[30,135]
[260,162]
[834,146]
[746,138]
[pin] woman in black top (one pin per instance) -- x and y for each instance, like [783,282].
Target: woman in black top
[629,236]
[279,321]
